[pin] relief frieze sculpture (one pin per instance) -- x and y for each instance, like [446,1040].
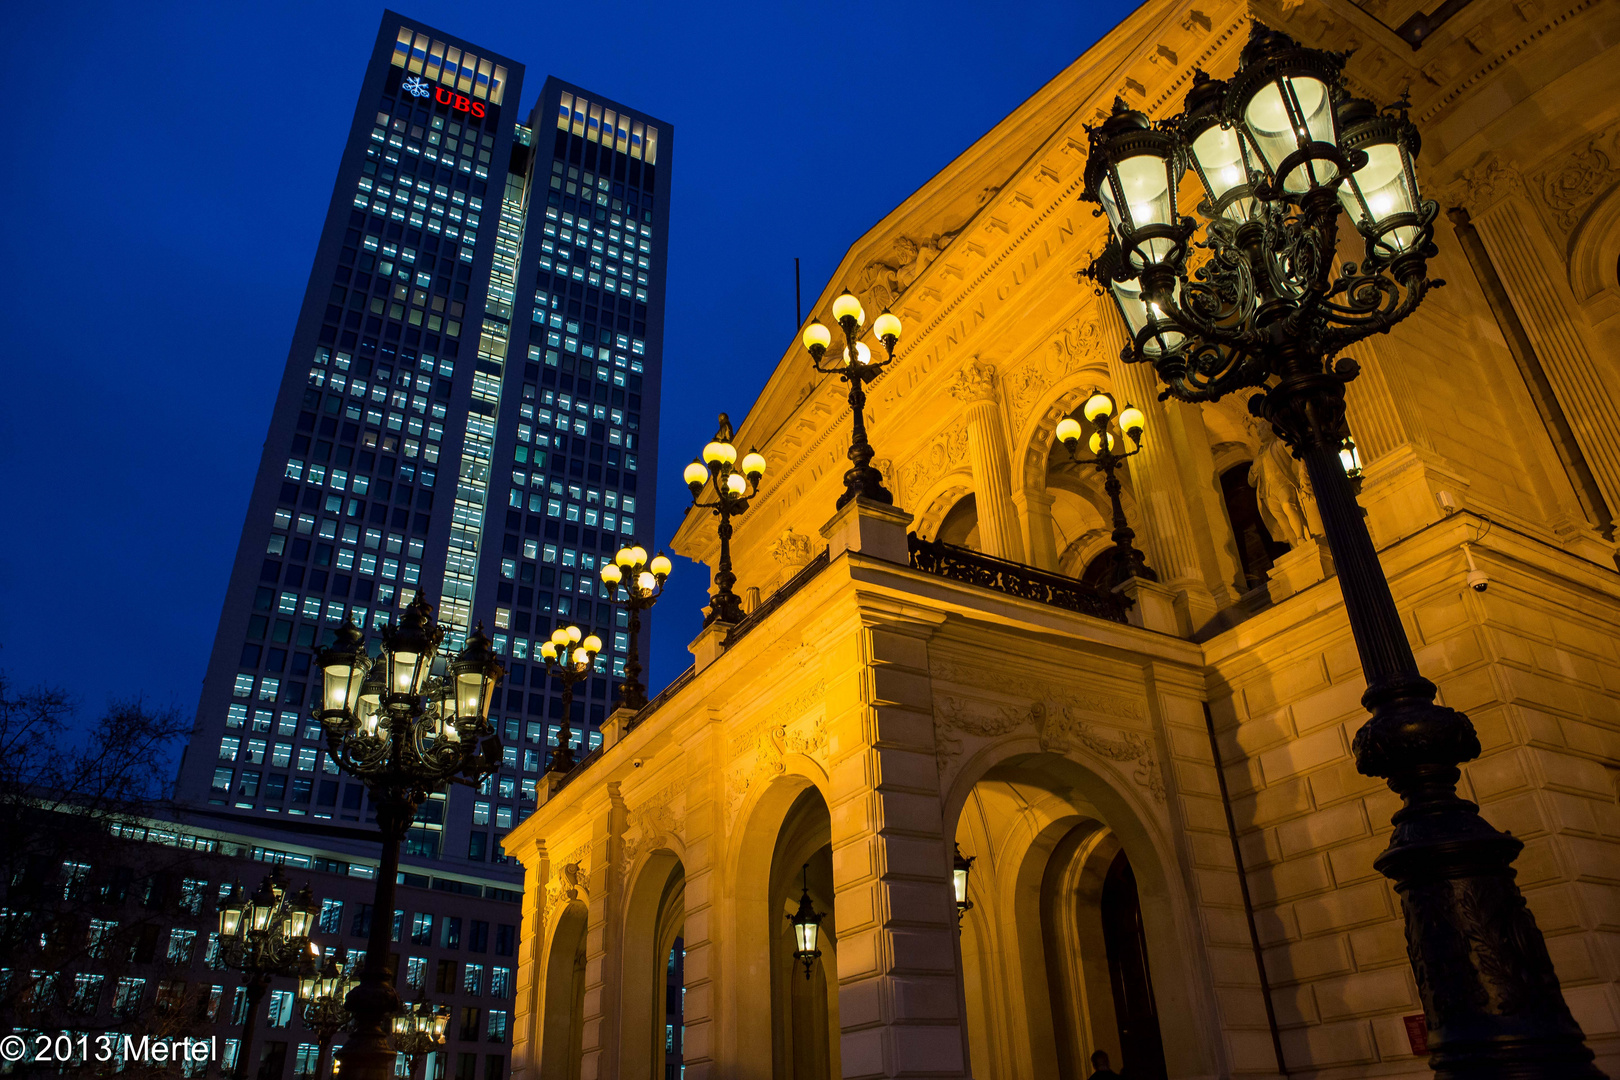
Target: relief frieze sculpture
[1059,729]
[759,751]
[654,821]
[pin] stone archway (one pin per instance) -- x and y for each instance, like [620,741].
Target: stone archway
[654,912]
[785,827]
[1044,828]
[938,500]
[563,1008]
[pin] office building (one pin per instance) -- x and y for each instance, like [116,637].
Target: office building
[469,410]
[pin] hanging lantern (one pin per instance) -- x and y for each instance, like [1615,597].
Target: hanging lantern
[1382,196]
[1133,172]
[806,928]
[959,882]
[1281,99]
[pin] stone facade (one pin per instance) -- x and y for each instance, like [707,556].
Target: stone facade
[843,740]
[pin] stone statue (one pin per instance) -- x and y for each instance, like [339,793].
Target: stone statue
[1276,479]
[724,433]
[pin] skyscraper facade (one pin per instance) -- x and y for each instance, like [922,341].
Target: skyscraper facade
[468,411]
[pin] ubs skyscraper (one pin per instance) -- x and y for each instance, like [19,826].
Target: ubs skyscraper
[469,411]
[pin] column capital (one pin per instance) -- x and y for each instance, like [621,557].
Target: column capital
[975,382]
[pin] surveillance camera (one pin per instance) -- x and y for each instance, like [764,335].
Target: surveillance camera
[636,762]
[1448,502]
[1477,579]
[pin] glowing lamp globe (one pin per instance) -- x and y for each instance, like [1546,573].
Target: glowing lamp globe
[1099,407]
[847,307]
[887,327]
[754,463]
[817,337]
[1131,421]
[660,565]
[1068,430]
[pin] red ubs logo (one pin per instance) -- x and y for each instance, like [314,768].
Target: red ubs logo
[458,102]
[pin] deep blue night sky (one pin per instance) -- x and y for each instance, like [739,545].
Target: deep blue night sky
[169,168]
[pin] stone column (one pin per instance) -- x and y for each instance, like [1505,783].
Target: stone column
[1523,255]
[1035,515]
[1184,541]
[987,450]
[897,971]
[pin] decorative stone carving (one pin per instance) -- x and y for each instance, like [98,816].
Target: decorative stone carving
[1571,184]
[792,550]
[883,280]
[1481,187]
[1062,730]
[1077,345]
[763,747]
[570,880]
[948,450]
[1059,730]
[1017,684]
[975,382]
[654,822]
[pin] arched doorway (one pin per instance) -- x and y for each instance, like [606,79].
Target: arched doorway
[1141,1044]
[562,1021]
[655,914]
[786,846]
[1067,950]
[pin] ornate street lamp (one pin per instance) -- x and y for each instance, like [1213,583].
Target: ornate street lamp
[569,656]
[1108,455]
[960,870]
[405,732]
[322,994]
[733,485]
[806,928]
[419,1030]
[262,936]
[1279,150]
[855,366]
[643,584]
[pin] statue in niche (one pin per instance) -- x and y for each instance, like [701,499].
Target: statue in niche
[1286,504]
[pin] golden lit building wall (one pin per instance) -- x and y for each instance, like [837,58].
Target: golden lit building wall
[871,717]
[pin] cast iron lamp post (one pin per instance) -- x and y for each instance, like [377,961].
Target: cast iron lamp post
[419,1030]
[1107,456]
[643,584]
[404,732]
[806,928]
[855,366]
[322,993]
[734,486]
[1279,150]
[569,657]
[263,936]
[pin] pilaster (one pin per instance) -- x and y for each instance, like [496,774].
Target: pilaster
[897,971]
[1519,251]
[1171,482]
